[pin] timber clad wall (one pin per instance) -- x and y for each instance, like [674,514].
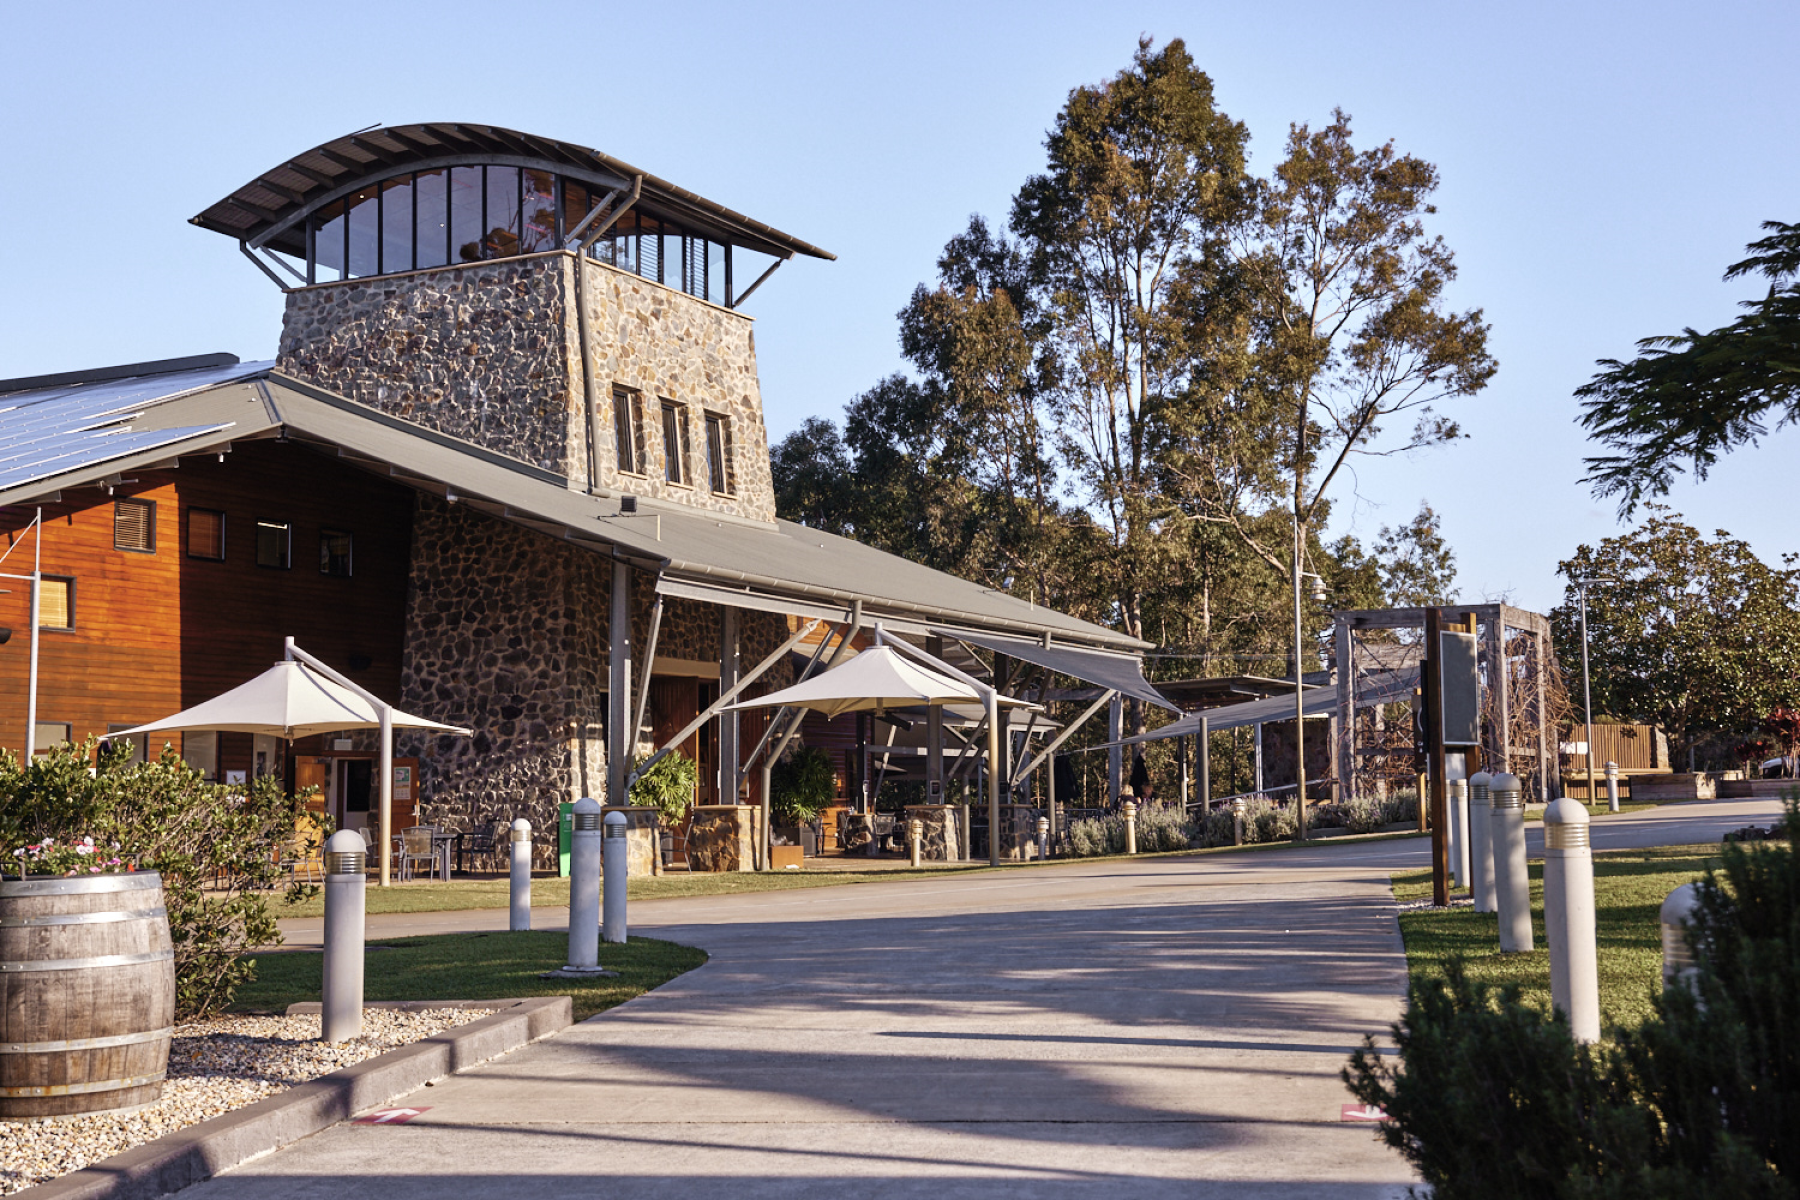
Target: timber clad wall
[159,631]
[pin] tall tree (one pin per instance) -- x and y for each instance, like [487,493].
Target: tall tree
[1353,328]
[1690,397]
[1143,178]
[1699,635]
[1418,567]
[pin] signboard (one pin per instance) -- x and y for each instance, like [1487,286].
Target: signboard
[1459,690]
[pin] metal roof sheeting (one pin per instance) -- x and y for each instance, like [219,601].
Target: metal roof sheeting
[49,431]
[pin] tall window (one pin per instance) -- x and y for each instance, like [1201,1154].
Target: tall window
[274,544]
[676,442]
[206,534]
[721,471]
[56,602]
[334,554]
[628,429]
[134,526]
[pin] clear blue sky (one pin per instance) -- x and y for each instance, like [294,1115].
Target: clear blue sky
[1602,163]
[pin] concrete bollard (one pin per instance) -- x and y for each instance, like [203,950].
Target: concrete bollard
[1680,965]
[521,876]
[915,837]
[1130,827]
[1459,832]
[1612,787]
[584,888]
[1238,807]
[616,874]
[1481,842]
[1043,838]
[1512,884]
[1569,921]
[346,888]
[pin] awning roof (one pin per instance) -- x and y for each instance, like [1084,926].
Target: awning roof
[270,208]
[1117,672]
[1316,702]
[710,556]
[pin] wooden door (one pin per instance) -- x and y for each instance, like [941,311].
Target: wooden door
[313,773]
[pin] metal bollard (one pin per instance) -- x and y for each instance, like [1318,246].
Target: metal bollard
[1043,838]
[584,889]
[1459,831]
[1512,885]
[1238,807]
[1612,787]
[346,887]
[521,876]
[1130,827]
[1481,842]
[915,835]
[1681,967]
[617,875]
[1569,923]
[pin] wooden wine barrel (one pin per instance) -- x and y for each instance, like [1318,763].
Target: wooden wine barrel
[87,994]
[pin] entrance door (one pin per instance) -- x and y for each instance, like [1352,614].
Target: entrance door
[356,796]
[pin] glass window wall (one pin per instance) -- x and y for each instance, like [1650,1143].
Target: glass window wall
[467,214]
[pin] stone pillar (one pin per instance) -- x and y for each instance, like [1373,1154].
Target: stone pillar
[729,670]
[621,739]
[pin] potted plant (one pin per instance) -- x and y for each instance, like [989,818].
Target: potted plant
[801,783]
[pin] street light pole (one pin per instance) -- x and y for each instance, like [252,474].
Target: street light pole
[1299,705]
[1587,702]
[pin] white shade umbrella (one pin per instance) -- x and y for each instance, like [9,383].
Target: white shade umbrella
[289,700]
[879,678]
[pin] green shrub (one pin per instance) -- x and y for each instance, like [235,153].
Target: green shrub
[800,784]
[217,848]
[1492,1099]
[1094,836]
[668,786]
[1162,827]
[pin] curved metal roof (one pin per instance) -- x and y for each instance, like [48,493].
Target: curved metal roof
[270,209]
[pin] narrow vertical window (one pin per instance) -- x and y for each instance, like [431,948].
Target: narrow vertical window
[334,554]
[328,243]
[718,453]
[134,526]
[56,602]
[627,429]
[274,544]
[502,221]
[676,442]
[539,212]
[206,534]
[397,225]
[432,248]
[364,233]
[466,220]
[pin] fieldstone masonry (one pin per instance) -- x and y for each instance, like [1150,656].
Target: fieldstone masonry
[491,353]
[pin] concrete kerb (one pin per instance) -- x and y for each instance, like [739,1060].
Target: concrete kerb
[190,1155]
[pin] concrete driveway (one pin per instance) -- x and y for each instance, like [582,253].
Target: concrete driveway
[1160,1027]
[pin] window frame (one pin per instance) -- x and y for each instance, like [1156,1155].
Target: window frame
[287,547]
[628,431]
[68,728]
[68,580]
[723,481]
[119,504]
[188,540]
[678,464]
[325,557]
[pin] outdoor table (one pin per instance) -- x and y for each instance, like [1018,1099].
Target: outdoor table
[444,843]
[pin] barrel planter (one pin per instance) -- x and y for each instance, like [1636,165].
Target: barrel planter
[87,994]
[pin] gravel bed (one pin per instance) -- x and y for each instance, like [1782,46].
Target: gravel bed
[214,1066]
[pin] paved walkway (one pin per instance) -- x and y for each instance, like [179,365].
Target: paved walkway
[1161,1027]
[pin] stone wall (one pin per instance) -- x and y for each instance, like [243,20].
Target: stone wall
[485,352]
[664,344]
[491,353]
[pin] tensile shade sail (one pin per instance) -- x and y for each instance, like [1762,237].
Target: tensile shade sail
[289,700]
[880,679]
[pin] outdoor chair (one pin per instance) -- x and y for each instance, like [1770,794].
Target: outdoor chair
[305,854]
[416,847]
[489,838]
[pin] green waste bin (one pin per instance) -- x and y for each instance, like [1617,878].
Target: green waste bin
[565,827]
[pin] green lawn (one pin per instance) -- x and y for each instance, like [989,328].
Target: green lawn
[1629,888]
[474,966]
